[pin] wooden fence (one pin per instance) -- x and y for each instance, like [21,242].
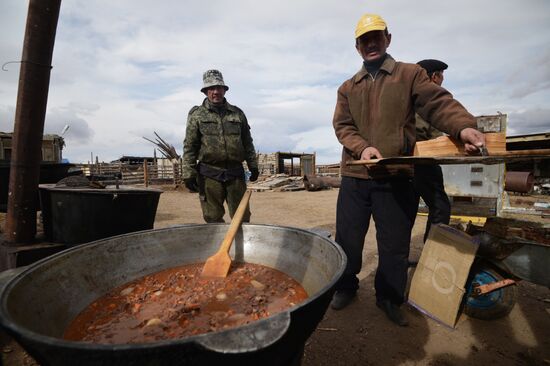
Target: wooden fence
[134,174]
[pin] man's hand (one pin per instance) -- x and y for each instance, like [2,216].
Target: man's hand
[370,152]
[473,140]
[191,184]
[254,173]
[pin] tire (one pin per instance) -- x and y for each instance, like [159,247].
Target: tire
[493,305]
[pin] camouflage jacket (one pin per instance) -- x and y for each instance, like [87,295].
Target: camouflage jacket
[219,139]
[425,131]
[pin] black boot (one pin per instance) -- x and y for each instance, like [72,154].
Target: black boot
[341,299]
[392,312]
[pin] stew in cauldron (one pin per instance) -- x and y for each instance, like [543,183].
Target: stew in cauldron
[178,302]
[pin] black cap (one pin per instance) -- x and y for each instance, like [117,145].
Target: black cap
[432,65]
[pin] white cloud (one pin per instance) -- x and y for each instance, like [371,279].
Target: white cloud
[529,121]
[125,69]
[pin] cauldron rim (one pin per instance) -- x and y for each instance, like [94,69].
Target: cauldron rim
[19,331]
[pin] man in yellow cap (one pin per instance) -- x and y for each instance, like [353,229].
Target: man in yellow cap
[374,118]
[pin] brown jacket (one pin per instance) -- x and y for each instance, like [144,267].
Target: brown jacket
[380,112]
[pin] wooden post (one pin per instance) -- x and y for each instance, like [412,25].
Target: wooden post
[145,175]
[174,172]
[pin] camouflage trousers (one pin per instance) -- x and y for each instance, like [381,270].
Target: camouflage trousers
[215,193]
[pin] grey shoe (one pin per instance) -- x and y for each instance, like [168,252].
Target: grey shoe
[341,299]
[393,312]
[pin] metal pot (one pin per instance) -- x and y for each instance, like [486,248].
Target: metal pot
[37,305]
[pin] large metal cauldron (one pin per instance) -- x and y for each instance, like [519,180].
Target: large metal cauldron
[37,305]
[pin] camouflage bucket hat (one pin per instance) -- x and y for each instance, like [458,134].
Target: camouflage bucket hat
[213,78]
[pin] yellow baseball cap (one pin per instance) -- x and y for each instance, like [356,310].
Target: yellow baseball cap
[369,22]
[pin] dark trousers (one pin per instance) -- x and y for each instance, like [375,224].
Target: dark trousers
[428,183]
[392,203]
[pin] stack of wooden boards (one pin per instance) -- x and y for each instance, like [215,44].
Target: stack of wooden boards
[446,150]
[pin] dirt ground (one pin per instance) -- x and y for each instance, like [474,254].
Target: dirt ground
[360,334]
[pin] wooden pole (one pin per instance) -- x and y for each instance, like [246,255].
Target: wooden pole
[145,174]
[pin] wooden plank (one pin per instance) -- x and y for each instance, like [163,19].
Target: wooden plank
[532,141]
[506,157]
[495,142]
[508,228]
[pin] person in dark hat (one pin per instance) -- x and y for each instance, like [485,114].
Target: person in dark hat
[217,142]
[428,179]
[435,69]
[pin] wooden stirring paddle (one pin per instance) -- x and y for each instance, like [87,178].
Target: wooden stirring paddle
[218,264]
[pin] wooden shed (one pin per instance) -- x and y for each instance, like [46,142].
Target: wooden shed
[293,164]
[52,147]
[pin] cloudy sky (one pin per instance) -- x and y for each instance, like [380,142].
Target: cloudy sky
[127,68]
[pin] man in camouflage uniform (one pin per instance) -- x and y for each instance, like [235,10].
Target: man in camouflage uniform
[217,141]
[428,179]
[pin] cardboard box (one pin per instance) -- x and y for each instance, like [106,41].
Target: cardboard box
[437,286]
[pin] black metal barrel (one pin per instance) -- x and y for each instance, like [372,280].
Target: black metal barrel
[49,173]
[79,215]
